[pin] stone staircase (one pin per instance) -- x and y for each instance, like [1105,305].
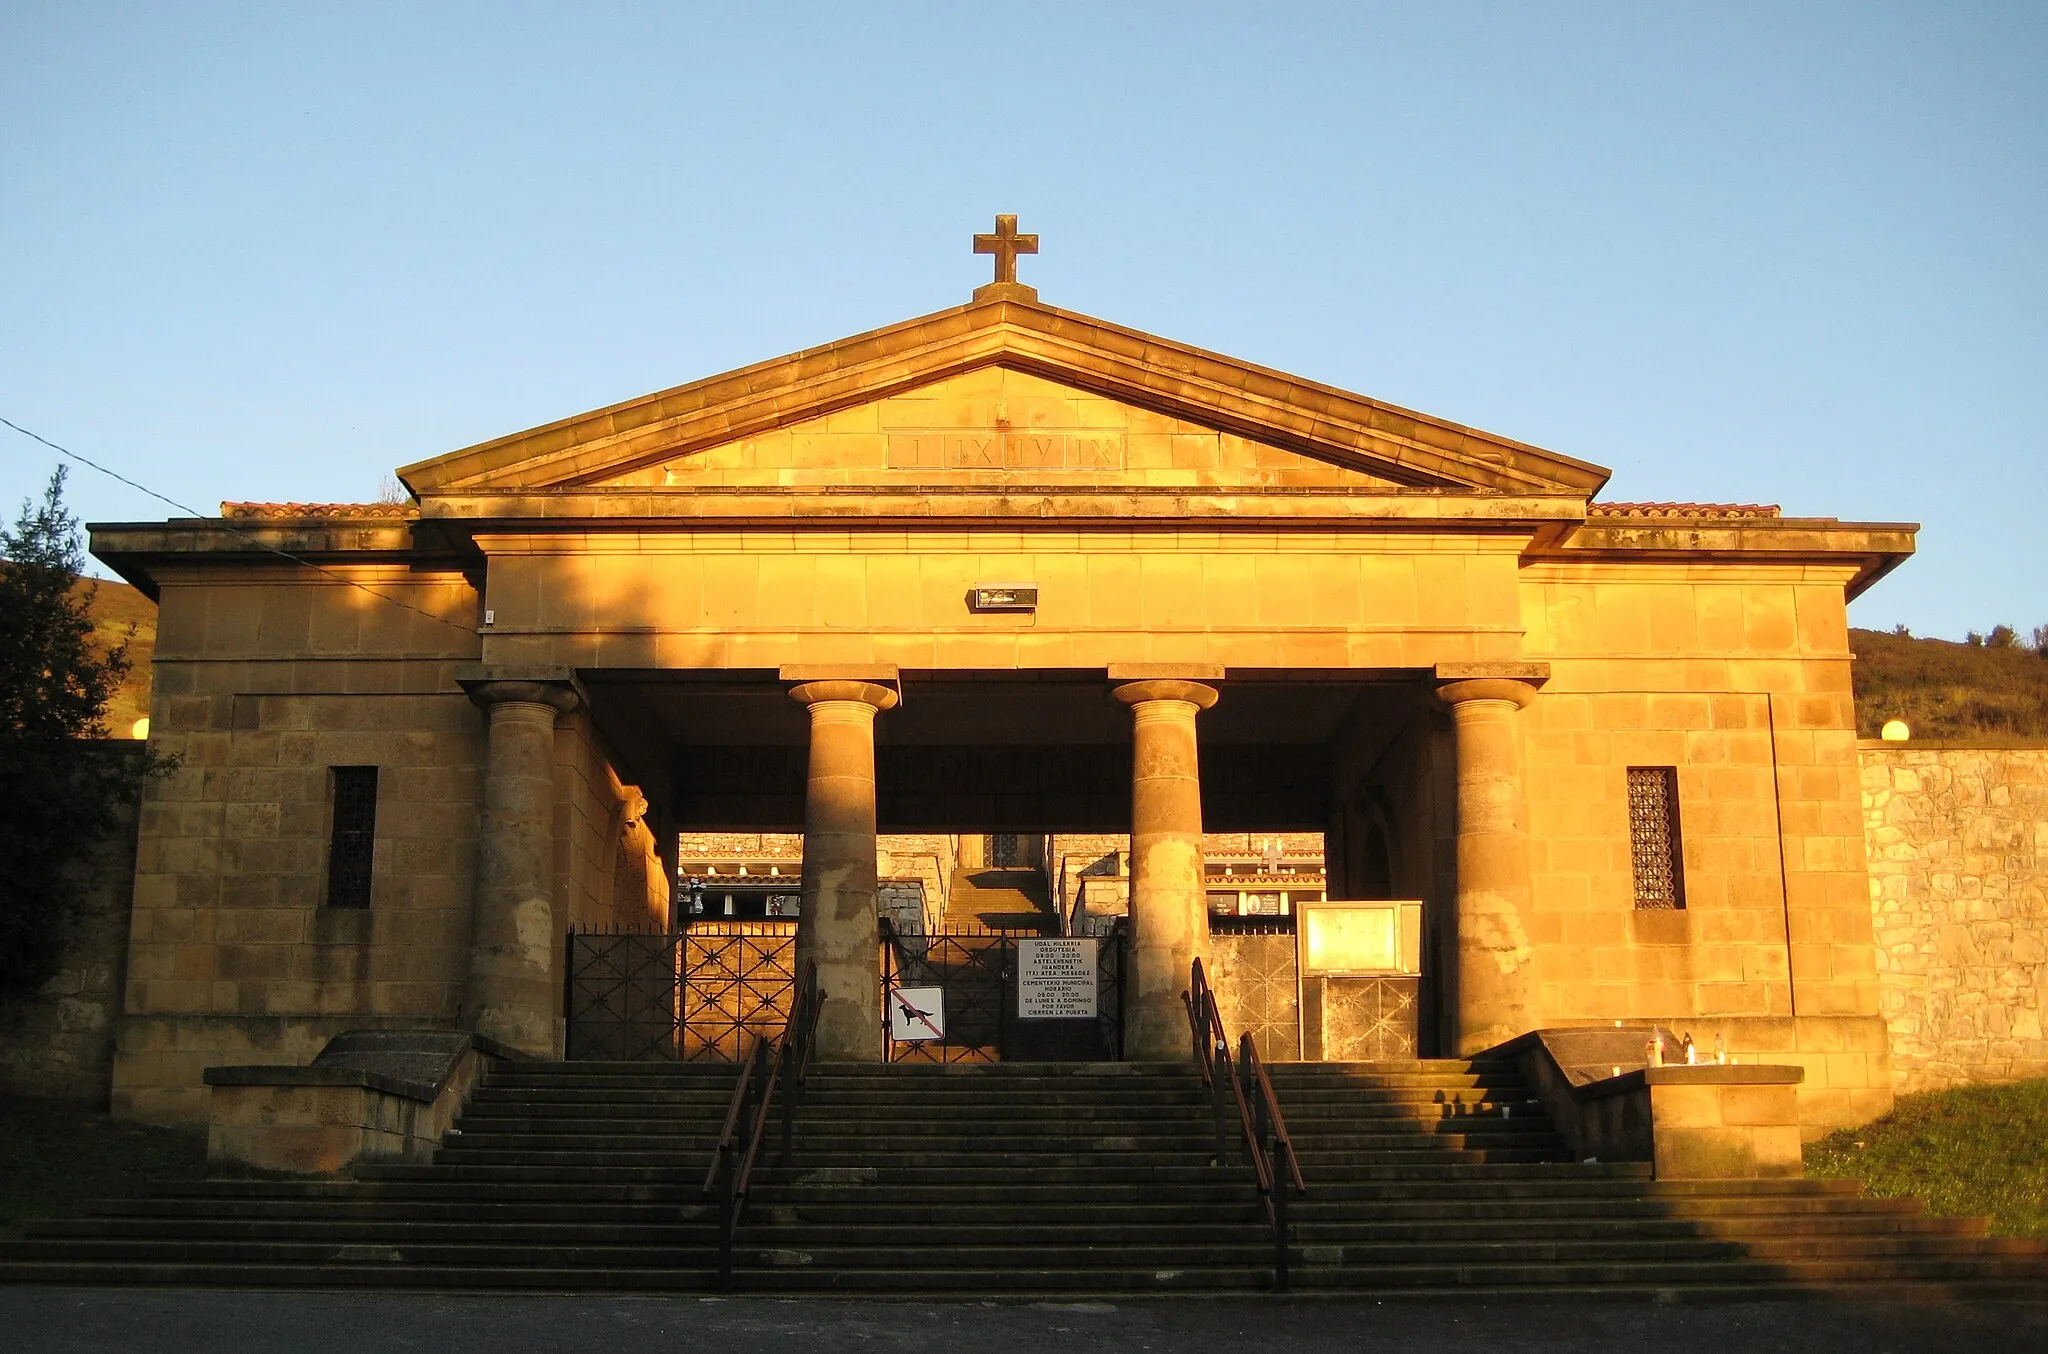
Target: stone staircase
[1445,1176]
[1024,1179]
[1009,899]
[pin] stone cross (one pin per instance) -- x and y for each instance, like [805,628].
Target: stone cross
[1006,244]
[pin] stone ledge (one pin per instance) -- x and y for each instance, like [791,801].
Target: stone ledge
[1713,1121]
[1695,1074]
[369,1095]
[320,1076]
[2013,743]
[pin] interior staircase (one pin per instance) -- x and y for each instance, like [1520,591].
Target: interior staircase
[993,1180]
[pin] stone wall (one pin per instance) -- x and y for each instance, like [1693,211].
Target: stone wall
[58,1043]
[265,680]
[1958,839]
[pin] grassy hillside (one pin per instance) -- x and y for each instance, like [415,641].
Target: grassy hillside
[1976,1151]
[1948,690]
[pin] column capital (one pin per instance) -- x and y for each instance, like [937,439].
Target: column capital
[1166,689]
[491,684]
[1487,689]
[844,689]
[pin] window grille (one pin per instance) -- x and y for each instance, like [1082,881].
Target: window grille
[354,842]
[1653,836]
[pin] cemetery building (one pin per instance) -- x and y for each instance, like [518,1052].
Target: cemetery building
[1202,645]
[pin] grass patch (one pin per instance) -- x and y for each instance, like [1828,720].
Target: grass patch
[1977,1151]
[55,1158]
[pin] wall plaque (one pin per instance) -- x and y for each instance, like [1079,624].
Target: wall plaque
[1056,978]
[1004,449]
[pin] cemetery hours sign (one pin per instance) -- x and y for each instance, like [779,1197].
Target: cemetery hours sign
[1056,978]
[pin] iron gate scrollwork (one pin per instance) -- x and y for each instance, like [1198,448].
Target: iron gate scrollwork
[700,995]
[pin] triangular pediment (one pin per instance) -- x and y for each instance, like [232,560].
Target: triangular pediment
[1005,391]
[994,425]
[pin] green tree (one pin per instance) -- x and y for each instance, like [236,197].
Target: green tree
[59,793]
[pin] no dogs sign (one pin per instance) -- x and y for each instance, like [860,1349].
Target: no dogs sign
[917,1014]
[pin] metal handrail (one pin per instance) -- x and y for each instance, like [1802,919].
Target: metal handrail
[1273,1122]
[753,1102]
[1264,1129]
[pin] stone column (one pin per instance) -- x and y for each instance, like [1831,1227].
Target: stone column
[1496,978]
[837,925]
[512,990]
[1169,903]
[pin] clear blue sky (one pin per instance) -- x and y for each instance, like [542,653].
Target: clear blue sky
[1756,252]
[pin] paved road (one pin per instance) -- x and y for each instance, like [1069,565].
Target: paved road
[67,1320]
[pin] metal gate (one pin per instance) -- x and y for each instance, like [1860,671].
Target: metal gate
[704,994]
[975,969]
[696,995]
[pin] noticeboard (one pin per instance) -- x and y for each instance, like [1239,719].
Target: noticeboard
[1056,978]
[1339,939]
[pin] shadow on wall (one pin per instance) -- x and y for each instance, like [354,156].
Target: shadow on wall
[58,1043]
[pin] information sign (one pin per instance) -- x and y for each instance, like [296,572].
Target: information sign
[1056,978]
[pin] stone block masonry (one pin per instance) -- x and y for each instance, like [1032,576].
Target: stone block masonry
[1958,839]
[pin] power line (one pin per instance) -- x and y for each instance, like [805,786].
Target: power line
[232,531]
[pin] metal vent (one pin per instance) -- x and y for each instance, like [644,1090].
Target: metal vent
[354,842]
[1653,836]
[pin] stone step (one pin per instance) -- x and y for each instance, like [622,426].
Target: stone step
[827,1250]
[822,1126]
[1027,1269]
[1016,1180]
[1053,1232]
[1315,1218]
[1783,1274]
[1489,1177]
[887,1162]
[696,1251]
[1648,1283]
[1354,1244]
[828,1145]
[1110,1153]
[372,1274]
[1365,1203]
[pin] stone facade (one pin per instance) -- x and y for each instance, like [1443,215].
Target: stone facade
[1959,893]
[1259,605]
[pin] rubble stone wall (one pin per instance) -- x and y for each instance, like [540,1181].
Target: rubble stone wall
[1958,843]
